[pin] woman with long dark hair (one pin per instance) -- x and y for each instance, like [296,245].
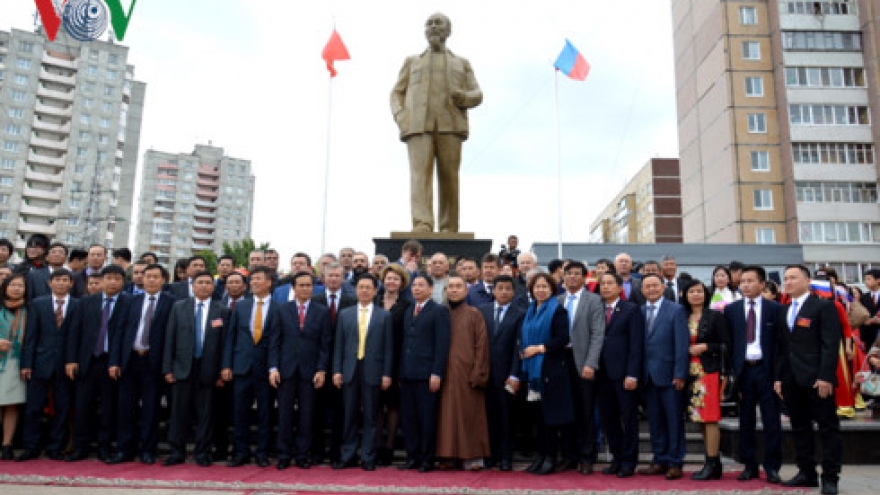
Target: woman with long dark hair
[13,294]
[709,339]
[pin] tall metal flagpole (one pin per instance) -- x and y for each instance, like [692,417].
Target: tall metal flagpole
[327,163]
[558,163]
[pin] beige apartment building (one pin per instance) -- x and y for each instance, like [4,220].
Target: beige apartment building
[776,102]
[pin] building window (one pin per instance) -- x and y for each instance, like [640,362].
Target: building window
[839,232]
[836,192]
[25,47]
[8,163]
[757,123]
[818,8]
[843,41]
[72,222]
[827,77]
[765,236]
[763,199]
[751,50]
[23,63]
[4,199]
[4,216]
[111,75]
[760,161]
[10,146]
[74,203]
[13,129]
[105,122]
[833,153]
[748,16]
[113,59]
[108,90]
[107,106]
[18,95]
[16,113]
[5,181]
[755,86]
[828,115]
[79,168]
[85,119]
[21,79]
[92,70]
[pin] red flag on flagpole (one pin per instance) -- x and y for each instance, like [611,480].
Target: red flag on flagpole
[334,50]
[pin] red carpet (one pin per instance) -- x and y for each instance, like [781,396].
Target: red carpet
[257,481]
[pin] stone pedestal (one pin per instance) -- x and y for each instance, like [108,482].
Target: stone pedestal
[453,245]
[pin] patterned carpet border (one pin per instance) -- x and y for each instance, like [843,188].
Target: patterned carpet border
[288,488]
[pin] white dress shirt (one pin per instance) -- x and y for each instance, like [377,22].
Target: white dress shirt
[753,350]
[137,339]
[205,309]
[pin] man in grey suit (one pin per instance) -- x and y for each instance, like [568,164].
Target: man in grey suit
[429,103]
[587,323]
[194,338]
[362,366]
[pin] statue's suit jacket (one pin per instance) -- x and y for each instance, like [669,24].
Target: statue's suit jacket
[409,98]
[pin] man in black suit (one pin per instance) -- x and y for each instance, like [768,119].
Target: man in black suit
[503,322]
[299,353]
[362,367]
[674,284]
[807,352]
[225,267]
[871,301]
[422,367]
[620,369]
[481,292]
[191,363]
[752,321]
[136,286]
[50,321]
[184,288]
[328,399]
[136,362]
[95,262]
[88,352]
[246,365]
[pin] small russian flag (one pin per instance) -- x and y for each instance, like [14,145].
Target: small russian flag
[571,63]
[821,288]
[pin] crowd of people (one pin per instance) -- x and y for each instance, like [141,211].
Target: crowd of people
[466,359]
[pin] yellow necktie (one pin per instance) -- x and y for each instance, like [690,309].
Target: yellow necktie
[362,333]
[258,322]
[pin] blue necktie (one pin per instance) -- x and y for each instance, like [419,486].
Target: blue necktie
[792,316]
[569,306]
[199,331]
[498,318]
[651,309]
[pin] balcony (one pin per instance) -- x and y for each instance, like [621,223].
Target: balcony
[205,214]
[58,95]
[51,110]
[30,192]
[168,166]
[159,242]
[205,204]
[198,246]
[203,225]
[59,62]
[46,160]
[43,177]
[209,171]
[206,196]
[36,228]
[49,143]
[48,76]
[205,237]
[208,182]
[50,126]
[39,211]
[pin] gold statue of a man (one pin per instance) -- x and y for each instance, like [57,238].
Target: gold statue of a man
[429,103]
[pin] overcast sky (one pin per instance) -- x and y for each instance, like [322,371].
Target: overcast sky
[247,75]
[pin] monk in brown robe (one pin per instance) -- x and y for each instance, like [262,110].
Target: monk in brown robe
[462,433]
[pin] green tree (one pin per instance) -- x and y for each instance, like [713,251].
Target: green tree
[210,260]
[241,249]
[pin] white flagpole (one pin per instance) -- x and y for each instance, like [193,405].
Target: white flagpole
[558,162]
[327,164]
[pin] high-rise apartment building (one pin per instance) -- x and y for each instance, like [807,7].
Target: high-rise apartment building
[776,109]
[192,202]
[70,119]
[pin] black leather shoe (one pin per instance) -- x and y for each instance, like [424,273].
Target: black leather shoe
[384,457]
[536,464]
[7,453]
[28,455]
[773,476]
[104,454]
[119,459]
[369,466]
[148,459]
[409,464]
[283,464]
[802,479]
[749,473]
[547,467]
[219,456]
[426,467]
[205,460]
[173,460]
[263,461]
[566,466]
[344,464]
[612,468]
[77,455]
[626,472]
[505,466]
[237,461]
[303,463]
[585,468]
[829,487]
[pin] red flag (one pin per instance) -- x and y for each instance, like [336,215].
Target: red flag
[334,50]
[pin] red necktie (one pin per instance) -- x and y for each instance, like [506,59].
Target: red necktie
[333,309]
[608,310]
[751,323]
[418,309]
[302,316]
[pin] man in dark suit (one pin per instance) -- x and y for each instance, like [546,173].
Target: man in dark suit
[422,367]
[50,321]
[136,362]
[88,352]
[632,284]
[225,266]
[191,363]
[362,367]
[587,323]
[299,353]
[328,399]
[620,369]
[752,323]
[674,284]
[666,336]
[807,352]
[481,292]
[246,365]
[95,262]
[184,288]
[871,301]
[136,286]
[503,322]
[235,289]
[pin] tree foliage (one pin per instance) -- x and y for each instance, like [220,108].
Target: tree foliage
[241,249]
